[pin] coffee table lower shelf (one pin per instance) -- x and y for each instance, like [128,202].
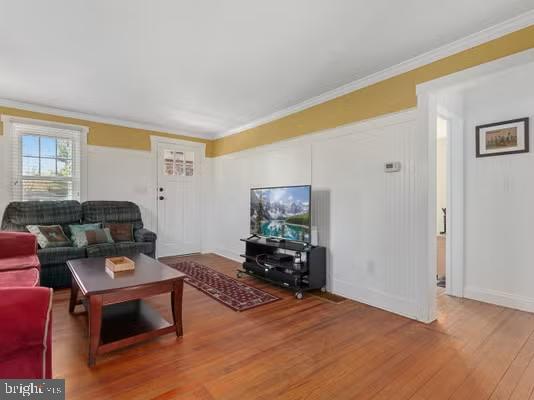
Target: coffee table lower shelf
[127,323]
[118,316]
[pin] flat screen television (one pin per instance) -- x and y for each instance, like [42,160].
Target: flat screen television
[281,212]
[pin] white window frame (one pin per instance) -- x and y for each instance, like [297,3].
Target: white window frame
[41,128]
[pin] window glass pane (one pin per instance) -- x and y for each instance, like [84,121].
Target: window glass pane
[30,166]
[30,145]
[189,163]
[48,167]
[168,155]
[46,190]
[64,167]
[64,148]
[179,163]
[48,146]
[168,162]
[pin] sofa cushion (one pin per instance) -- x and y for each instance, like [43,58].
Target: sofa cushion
[119,249]
[49,235]
[89,238]
[20,278]
[18,214]
[58,255]
[109,212]
[121,232]
[74,229]
[19,262]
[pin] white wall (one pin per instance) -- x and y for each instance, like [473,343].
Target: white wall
[499,197]
[365,216]
[235,174]
[112,174]
[120,174]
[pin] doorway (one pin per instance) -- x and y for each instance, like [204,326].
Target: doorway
[178,173]
[442,159]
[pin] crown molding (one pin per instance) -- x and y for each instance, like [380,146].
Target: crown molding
[514,24]
[95,118]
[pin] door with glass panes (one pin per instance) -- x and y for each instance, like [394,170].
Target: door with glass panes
[178,193]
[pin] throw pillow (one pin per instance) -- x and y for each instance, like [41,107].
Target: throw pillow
[74,229]
[121,232]
[49,236]
[96,236]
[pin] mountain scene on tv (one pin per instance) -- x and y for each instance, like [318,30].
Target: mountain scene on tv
[281,212]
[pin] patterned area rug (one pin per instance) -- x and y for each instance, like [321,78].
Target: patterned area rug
[221,287]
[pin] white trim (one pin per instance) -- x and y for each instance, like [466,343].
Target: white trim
[455,204]
[9,120]
[426,137]
[425,199]
[328,134]
[198,147]
[226,254]
[472,76]
[500,298]
[486,35]
[376,298]
[84,178]
[13,119]
[154,139]
[96,118]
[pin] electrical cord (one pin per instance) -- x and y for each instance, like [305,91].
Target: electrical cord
[260,263]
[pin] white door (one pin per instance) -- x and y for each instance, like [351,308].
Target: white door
[178,199]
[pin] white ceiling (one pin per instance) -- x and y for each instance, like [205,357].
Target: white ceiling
[205,67]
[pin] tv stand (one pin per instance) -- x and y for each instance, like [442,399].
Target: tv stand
[294,265]
[275,240]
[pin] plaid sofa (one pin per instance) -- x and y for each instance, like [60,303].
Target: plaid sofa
[54,271]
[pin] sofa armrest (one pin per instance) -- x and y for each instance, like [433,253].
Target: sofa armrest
[26,336]
[144,235]
[14,244]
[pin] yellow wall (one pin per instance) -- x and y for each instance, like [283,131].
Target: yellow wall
[106,134]
[391,95]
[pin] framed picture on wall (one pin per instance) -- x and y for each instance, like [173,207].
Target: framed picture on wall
[500,138]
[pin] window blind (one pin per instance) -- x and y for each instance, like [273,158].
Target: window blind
[45,162]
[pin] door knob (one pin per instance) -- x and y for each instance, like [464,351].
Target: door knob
[161,189]
[161,198]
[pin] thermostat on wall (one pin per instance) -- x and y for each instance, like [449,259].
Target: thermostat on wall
[392,166]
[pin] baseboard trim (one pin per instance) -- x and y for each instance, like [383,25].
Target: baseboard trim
[228,254]
[500,298]
[394,304]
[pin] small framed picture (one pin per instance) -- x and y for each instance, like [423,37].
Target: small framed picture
[500,138]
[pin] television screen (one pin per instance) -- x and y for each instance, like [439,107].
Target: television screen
[282,212]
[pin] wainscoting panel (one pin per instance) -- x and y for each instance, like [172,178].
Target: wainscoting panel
[364,215]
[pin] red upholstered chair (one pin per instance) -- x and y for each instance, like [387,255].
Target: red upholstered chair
[18,250]
[25,333]
[19,265]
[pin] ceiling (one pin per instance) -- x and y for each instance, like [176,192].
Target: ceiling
[205,67]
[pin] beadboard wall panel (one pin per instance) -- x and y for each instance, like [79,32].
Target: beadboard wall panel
[364,216]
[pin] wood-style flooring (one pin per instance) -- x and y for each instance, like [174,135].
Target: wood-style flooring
[308,349]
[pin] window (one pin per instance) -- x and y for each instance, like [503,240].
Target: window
[179,163]
[45,162]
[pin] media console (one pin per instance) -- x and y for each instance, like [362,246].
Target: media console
[293,265]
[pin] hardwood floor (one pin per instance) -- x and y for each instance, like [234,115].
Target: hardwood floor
[308,349]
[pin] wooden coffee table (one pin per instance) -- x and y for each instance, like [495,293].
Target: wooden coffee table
[118,316]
